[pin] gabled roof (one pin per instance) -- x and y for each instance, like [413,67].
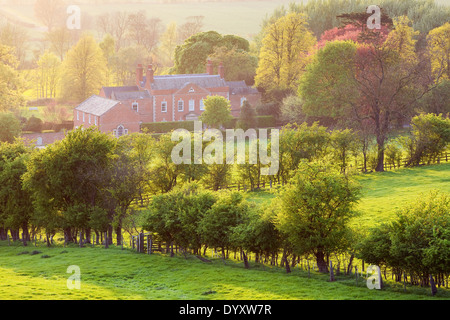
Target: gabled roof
[240,87]
[96,105]
[126,95]
[109,90]
[177,81]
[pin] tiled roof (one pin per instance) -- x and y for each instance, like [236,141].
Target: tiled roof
[96,105]
[240,87]
[177,81]
[109,90]
[119,95]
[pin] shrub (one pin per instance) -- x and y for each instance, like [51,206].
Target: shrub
[164,127]
[393,154]
[33,124]
[265,121]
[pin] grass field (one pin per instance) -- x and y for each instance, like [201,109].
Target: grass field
[123,274]
[116,274]
[384,193]
[241,18]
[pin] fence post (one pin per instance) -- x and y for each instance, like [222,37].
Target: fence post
[141,242]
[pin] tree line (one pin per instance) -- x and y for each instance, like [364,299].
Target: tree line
[88,181]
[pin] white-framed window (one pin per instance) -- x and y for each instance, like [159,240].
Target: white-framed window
[191,105]
[164,106]
[202,104]
[95,120]
[78,115]
[89,118]
[242,100]
[180,105]
[83,116]
[135,106]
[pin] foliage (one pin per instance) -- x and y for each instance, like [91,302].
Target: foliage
[10,127]
[430,137]
[217,111]
[327,87]
[48,75]
[394,153]
[283,54]
[164,127]
[11,83]
[247,117]
[239,64]
[68,177]
[190,56]
[291,110]
[315,209]
[83,70]
[402,39]
[436,101]
[416,242]
[265,121]
[344,144]
[33,124]
[299,142]
[175,216]
[16,207]
[226,213]
[439,51]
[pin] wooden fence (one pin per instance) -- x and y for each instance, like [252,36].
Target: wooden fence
[269,182]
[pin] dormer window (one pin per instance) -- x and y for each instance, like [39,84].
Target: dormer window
[134,106]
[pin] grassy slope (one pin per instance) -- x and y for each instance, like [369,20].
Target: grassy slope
[117,274]
[239,18]
[384,193]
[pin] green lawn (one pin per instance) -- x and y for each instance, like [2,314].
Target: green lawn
[384,193]
[123,274]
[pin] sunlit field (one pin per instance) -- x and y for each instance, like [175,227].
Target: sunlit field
[116,273]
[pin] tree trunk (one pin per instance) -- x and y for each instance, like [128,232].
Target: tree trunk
[380,155]
[321,263]
[26,233]
[284,259]
[244,256]
[119,235]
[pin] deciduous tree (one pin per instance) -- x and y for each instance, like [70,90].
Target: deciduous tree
[284,54]
[315,210]
[83,70]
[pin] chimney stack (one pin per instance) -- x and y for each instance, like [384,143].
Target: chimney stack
[150,73]
[139,75]
[209,67]
[221,71]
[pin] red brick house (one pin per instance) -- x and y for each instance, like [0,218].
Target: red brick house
[159,98]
